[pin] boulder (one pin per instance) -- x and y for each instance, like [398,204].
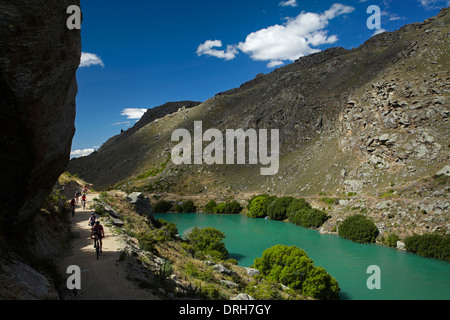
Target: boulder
[252,272]
[39,57]
[141,204]
[444,171]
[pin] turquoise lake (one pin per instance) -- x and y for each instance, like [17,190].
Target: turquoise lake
[404,276]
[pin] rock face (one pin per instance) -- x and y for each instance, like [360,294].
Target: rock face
[39,57]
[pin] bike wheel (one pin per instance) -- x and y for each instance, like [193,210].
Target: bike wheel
[97,248]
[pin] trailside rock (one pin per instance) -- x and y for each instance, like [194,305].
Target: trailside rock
[39,57]
[141,204]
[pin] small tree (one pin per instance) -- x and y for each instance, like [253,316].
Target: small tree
[359,229]
[189,207]
[211,207]
[258,208]
[277,209]
[292,267]
[208,241]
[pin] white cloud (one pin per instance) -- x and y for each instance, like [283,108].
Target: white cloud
[90,59]
[288,3]
[133,113]
[294,39]
[277,44]
[434,4]
[207,49]
[81,153]
[125,123]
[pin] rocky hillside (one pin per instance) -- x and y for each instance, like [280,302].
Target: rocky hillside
[359,125]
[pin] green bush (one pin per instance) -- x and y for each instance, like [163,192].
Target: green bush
[189,207]
[312,218]
[429,245]
[320,285]
[392,240]
[162,206]
[292,267]
[359,229]
[208,241]
[146,242]
[258,208]
[253,198]
[232,208]
[297,205]
[228,208]
[211,207]
[277,209]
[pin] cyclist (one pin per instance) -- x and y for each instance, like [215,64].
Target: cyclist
[92,220]
[83,201]
[98,231]
[72,206]
[77,195]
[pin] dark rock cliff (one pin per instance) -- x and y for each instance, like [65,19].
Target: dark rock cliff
[39,57]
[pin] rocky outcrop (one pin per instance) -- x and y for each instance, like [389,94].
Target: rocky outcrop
[39,57]
[141,204]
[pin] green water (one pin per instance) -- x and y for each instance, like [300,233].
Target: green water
[404,276]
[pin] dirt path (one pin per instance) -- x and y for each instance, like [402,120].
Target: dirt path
[101,279]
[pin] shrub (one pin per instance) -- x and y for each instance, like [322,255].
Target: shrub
[232,208]
[277,209]
[162,206]
[146,242]
[189,207]
[228,208]
[359,229]
[292,267]
[430,246]
[297,205]
[392,240]
[313,218]
[258,208]
[253,198]
[211,207]
[302,214]
[320,285]
[208,241]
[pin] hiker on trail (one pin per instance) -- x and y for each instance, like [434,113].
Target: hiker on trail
[98,231]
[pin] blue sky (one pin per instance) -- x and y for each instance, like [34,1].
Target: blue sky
[141,54]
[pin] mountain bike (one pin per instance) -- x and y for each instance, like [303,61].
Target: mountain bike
[72,209]
[83,202]
[97,246]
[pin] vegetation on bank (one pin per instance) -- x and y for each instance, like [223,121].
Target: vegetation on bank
[429,245]
[196,256]
[358,228]
[297,211]
[292,267]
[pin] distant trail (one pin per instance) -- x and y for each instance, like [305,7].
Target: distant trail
[101,279]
